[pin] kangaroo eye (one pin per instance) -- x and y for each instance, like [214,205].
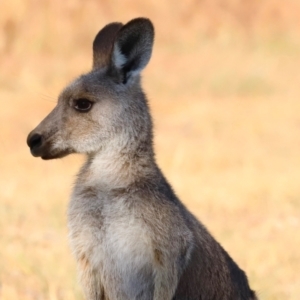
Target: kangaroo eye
[83,105]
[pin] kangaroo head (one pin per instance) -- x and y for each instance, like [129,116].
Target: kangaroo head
[105,107]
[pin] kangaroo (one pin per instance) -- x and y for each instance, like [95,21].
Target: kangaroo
[131,236]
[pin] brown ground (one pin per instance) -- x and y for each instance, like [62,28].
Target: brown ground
[223,85]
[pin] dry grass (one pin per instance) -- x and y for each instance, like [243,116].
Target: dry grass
[224,90]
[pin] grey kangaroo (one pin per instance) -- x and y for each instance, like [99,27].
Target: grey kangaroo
[131,236]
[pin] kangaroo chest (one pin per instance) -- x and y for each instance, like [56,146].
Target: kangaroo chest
[112,241]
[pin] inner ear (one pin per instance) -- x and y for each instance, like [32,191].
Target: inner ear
[103,45]
[132,48]
[128,42]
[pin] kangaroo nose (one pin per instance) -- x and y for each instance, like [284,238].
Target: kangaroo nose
[34,141]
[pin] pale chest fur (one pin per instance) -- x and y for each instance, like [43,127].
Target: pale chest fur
[114,241]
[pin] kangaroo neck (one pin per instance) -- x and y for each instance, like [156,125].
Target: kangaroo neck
[116,167]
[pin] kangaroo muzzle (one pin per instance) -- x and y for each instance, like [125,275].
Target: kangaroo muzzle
[40,146]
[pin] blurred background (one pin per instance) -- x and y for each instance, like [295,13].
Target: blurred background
[223,86]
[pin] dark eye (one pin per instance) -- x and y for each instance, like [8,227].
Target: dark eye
[82,105]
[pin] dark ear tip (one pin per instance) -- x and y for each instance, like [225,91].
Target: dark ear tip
[108,32]
[141,22]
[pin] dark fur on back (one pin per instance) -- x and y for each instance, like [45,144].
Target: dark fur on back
[209,273]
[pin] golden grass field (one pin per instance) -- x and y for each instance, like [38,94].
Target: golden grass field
[223,86]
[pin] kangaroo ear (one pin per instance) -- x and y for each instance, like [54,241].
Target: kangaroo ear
[132,48]
[103,44]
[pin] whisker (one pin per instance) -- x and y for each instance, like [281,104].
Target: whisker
[48,98]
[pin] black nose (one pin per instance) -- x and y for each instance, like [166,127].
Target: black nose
[34,141]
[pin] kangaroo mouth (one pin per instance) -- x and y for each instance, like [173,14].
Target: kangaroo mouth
[54,155]
[43,146]
[46,152]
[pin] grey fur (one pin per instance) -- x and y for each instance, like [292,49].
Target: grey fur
[131,236]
